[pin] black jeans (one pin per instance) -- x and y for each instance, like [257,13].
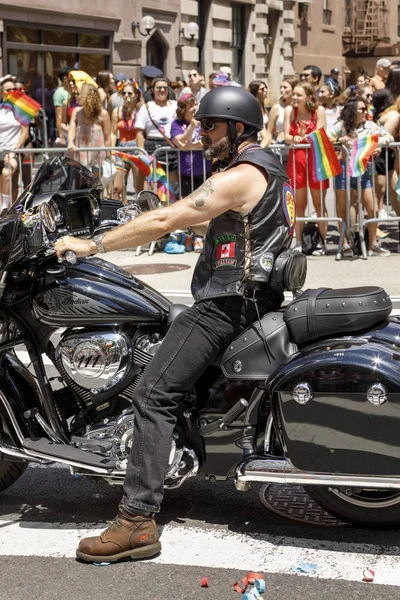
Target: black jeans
[193,341]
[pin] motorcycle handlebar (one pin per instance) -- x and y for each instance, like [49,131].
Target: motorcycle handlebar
[69,256]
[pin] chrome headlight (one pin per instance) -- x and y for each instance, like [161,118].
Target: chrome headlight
[94,205]
[50,215]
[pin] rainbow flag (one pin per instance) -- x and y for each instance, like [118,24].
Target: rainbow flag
[361,151]
[165,190]
[145,162]
[325,161]
[24,108]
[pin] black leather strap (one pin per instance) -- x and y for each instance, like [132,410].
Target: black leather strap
[312,327]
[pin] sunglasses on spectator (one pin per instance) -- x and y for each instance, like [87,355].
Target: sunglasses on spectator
[208,124]
[305,75]
[192,74]
[161,88]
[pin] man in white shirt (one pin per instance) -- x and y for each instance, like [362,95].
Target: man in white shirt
[195,85]
[13,136]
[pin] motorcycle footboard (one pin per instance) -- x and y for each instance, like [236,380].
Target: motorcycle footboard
[68,454]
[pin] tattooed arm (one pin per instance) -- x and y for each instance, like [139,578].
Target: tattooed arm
[238,189]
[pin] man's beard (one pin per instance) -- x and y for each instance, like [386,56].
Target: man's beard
[210,150]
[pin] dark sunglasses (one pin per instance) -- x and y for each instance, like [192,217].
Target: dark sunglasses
[192,74]
[304,75]
[208,124]
[161,88]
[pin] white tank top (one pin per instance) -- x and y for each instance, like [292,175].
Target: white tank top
[279,121]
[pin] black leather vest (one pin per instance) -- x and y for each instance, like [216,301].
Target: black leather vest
[239,251]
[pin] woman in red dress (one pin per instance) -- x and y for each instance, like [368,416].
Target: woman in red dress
[301,118]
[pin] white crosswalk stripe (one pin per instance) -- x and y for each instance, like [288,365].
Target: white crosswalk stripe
[214,548]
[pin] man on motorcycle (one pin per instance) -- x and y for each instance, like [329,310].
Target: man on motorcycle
[247,213]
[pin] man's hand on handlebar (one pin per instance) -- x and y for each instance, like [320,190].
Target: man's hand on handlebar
[79,246]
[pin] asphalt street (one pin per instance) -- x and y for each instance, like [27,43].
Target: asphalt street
[207,529]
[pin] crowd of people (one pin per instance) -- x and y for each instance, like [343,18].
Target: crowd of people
[113,110]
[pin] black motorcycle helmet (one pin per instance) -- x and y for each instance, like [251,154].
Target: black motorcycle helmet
[236,105]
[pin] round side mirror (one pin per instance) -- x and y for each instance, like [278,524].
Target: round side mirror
[148,200]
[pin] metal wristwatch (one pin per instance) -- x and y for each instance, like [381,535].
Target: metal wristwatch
[98,240]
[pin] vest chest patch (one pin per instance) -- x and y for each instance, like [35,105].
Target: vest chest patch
[225,255]
[289,207]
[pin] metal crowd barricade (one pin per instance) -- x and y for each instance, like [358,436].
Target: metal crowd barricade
[387,204]
[168,160]
[174,177]
[32,158]
[311,215]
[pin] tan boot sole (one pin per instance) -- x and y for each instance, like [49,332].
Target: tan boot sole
[136,554]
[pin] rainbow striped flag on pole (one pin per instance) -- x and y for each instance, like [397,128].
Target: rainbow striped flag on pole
[145,162]
[361,151]
[325,161]
[24,108]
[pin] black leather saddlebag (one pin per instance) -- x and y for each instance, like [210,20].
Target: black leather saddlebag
[326,312]
[259,350]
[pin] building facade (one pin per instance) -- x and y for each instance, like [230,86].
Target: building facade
[258,39]
[253,37]
[350,35]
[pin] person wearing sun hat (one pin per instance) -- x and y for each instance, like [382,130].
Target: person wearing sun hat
[221,79]
[81,77]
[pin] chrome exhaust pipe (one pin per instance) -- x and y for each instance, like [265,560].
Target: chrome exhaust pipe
[17,453]
[269,469]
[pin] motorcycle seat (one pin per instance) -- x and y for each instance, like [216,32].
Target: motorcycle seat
[325,312]
[175,310]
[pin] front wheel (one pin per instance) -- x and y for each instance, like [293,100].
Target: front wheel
[362,507]
[9,472]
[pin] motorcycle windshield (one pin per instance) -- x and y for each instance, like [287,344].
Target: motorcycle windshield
[56,175]
[11,241]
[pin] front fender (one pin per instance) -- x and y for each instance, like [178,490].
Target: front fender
[19,387]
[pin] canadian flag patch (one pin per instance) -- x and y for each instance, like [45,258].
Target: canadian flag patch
[226,250]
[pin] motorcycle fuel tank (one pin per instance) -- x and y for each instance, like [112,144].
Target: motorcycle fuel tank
[337,406]
[93,292]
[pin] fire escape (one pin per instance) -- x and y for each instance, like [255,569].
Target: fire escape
[366,25]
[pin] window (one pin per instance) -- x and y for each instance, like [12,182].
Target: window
[326,13]
[24,35]
[60,38]
[398,18]
[347,13]
[303,11]
[36,54]
[238,41]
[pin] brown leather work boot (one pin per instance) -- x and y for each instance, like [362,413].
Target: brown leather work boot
[129,535]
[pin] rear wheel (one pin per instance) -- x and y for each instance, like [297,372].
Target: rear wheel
[362,507]
[10,472]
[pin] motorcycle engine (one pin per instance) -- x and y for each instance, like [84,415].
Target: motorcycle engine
[96,362]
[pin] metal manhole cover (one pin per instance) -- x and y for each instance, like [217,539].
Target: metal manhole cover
[153,268]
[292,502]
